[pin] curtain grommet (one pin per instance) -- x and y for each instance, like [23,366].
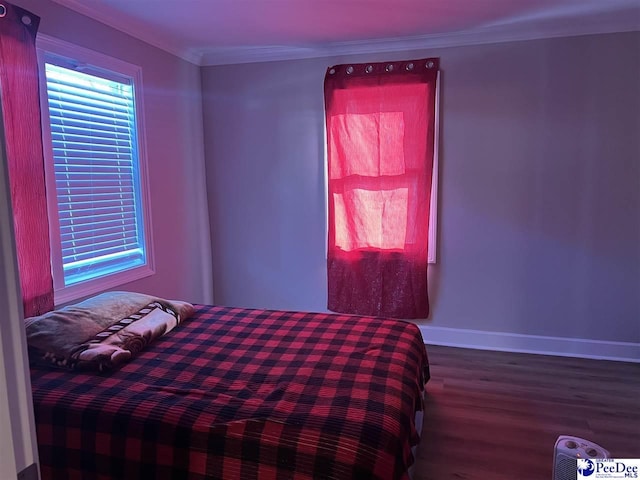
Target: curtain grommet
[369,69]
[3,10]
[332,71]
[389,68]
[409,67]
[349,70]
[429,64]
[26,19]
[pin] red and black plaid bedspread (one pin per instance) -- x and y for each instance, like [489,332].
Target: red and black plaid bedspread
[241,394]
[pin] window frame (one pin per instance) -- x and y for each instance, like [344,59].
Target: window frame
[433,203]
[432,247]
[105,65]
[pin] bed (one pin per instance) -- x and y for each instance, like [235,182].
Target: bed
[235,393]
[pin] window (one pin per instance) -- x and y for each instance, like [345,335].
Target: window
[96,188]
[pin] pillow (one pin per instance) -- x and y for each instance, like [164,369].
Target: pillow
[103,331]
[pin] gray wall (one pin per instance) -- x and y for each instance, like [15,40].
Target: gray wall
[18,448]
[174,138]
[539,208]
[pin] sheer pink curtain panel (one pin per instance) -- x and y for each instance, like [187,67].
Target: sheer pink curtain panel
[24,155]
[380,123]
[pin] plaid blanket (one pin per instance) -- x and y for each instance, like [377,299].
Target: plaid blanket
[242,394]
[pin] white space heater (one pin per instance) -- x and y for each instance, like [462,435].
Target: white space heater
[568,450]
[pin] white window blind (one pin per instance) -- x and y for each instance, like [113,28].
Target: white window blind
[93,133]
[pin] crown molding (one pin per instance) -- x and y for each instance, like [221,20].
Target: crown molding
[519,31]
[125,25]
[480,36]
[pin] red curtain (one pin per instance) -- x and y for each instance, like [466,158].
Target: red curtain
[25,161]
[380,120]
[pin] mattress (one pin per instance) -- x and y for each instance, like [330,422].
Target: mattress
[239,394]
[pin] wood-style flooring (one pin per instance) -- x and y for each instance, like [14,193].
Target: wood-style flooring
[496,415]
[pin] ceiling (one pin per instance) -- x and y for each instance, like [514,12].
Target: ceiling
[209,32]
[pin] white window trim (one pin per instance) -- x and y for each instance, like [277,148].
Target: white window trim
[46,44]
[433,203]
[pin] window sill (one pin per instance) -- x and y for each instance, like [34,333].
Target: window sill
[98,285]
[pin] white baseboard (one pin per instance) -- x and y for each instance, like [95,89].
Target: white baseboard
[514,342]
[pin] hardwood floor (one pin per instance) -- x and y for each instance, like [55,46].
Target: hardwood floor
[496,415]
